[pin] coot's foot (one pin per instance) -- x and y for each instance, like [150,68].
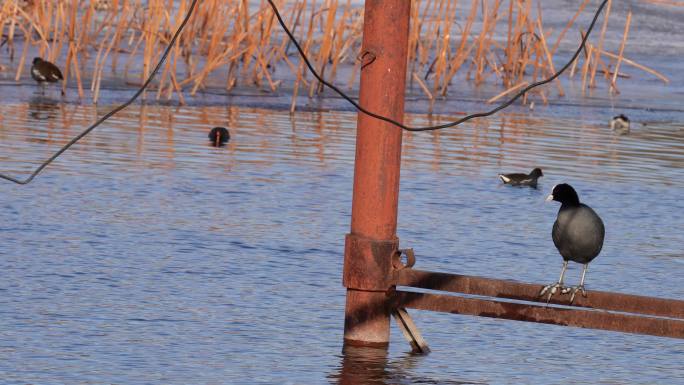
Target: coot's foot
[552,289]
[574,290]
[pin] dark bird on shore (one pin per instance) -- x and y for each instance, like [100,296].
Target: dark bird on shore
[44,72]
[519,179]
[620,124]
[578,235]
[219,136]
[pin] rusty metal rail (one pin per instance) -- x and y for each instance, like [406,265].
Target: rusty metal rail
[593,319]
[604,304]
[530,292]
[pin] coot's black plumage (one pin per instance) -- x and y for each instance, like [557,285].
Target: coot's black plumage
[522,179]
[219,136]
[43,71]
[578,234]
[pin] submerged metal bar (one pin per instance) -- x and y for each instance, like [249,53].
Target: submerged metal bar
[530,292]
[593,319]
[410,331]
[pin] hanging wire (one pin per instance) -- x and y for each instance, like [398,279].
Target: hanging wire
[446,125]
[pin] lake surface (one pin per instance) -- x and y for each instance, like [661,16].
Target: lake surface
[144,255]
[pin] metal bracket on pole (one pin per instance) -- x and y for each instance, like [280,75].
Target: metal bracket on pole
[368,263]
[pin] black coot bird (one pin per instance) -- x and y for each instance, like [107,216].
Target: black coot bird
[219,136]
[578,235]
[518,179]
[620,124]
[44,72]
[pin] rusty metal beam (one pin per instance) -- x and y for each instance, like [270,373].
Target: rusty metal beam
[530,292]
[372,242]
[593,319]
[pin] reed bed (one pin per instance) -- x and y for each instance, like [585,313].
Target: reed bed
[238,43]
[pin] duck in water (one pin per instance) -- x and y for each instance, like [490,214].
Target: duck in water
[519,179]
[219,136]
[620,124]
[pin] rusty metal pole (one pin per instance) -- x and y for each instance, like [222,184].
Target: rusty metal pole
[373,241]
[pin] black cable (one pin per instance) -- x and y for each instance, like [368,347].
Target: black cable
[447,125]
[114,111]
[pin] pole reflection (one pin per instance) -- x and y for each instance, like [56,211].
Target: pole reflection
[363,365]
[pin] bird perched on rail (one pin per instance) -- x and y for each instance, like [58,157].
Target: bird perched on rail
[620,124]
[44,72]
[219,136]
[519,179]
[578,234]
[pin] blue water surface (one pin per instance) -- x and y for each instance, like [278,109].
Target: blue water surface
[146,256]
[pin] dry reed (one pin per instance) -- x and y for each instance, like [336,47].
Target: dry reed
[231,43]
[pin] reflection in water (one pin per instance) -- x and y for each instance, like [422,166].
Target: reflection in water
[42,107]
[573,149]
[361,365]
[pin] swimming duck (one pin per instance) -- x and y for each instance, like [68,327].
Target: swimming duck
[620,124]
[578,234]
[219,136]
[519,179]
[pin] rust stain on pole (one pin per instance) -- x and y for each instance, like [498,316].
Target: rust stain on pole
[372,241]
[593,319]
[529,292]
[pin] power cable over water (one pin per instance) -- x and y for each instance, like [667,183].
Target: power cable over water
[318,77]
[446,125]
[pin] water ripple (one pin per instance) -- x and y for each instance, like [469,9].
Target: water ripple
[144,255]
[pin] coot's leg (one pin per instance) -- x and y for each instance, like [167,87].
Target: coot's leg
[579,287]
[551,289]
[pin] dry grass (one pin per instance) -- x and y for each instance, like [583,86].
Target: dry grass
[231,43]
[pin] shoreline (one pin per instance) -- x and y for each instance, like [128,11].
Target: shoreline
[648,100]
